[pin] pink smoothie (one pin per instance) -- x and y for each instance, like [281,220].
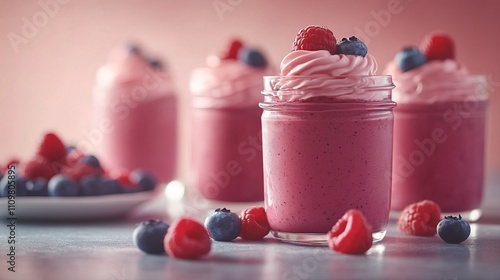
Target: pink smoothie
[327,143]
[136,112]
[319,164]
[228,153]
[439,155]
[439,129]
[226,159]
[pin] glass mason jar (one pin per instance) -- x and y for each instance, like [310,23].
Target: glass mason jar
[439,153]
[135,121]
[226,150]
[327,148]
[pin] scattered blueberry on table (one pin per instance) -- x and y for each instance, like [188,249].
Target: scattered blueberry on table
[453,229]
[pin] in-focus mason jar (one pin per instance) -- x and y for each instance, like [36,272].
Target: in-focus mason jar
[439,146]
[327,148]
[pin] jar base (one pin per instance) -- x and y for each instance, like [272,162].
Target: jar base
[470,216]
[315,239]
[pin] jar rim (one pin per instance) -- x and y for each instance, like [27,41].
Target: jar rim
[291,88]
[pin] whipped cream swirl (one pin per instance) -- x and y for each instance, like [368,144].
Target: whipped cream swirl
[310,74]
[129,76]
[308,63]
[436,81]
[227,83]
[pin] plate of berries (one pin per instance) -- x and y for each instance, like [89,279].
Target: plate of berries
[62,183]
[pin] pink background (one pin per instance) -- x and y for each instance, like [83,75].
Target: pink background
[47,83]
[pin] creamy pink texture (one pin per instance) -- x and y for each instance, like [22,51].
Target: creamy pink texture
[226,161]
[308,63]
[438,155]
[307,74]
[435,81]
[128,70]
[320,163]
[227,83]
[327,130]
[135,116]
[439,127]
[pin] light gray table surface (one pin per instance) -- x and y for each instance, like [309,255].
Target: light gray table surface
[104,250]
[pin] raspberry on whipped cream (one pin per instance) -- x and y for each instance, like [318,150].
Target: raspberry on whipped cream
[439,78]
[333,75]
[228,82]
[315,52]
[307,63]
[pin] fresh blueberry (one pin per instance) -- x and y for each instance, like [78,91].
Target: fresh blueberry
[7,186]
[453,230]
[128,189]
[409,58]
[155,64]
[60,185]
[90,185]
[352,46]
[252,58]
[133,48]
[70,148]
[37,187]
[223,225]
[143,179]
[109,186]
[148,236]
[90,160]
[98,185]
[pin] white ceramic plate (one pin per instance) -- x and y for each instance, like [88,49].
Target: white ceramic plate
[75,208]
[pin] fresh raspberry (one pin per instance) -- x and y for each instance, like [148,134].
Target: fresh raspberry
[420,218]
[73,156]
[314,38]
[232,49]
[352,234]
[80,170]
[52,148]
[13,161]
[187,239]
[123,178]
[438,46]
[38,167]
[254,224]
